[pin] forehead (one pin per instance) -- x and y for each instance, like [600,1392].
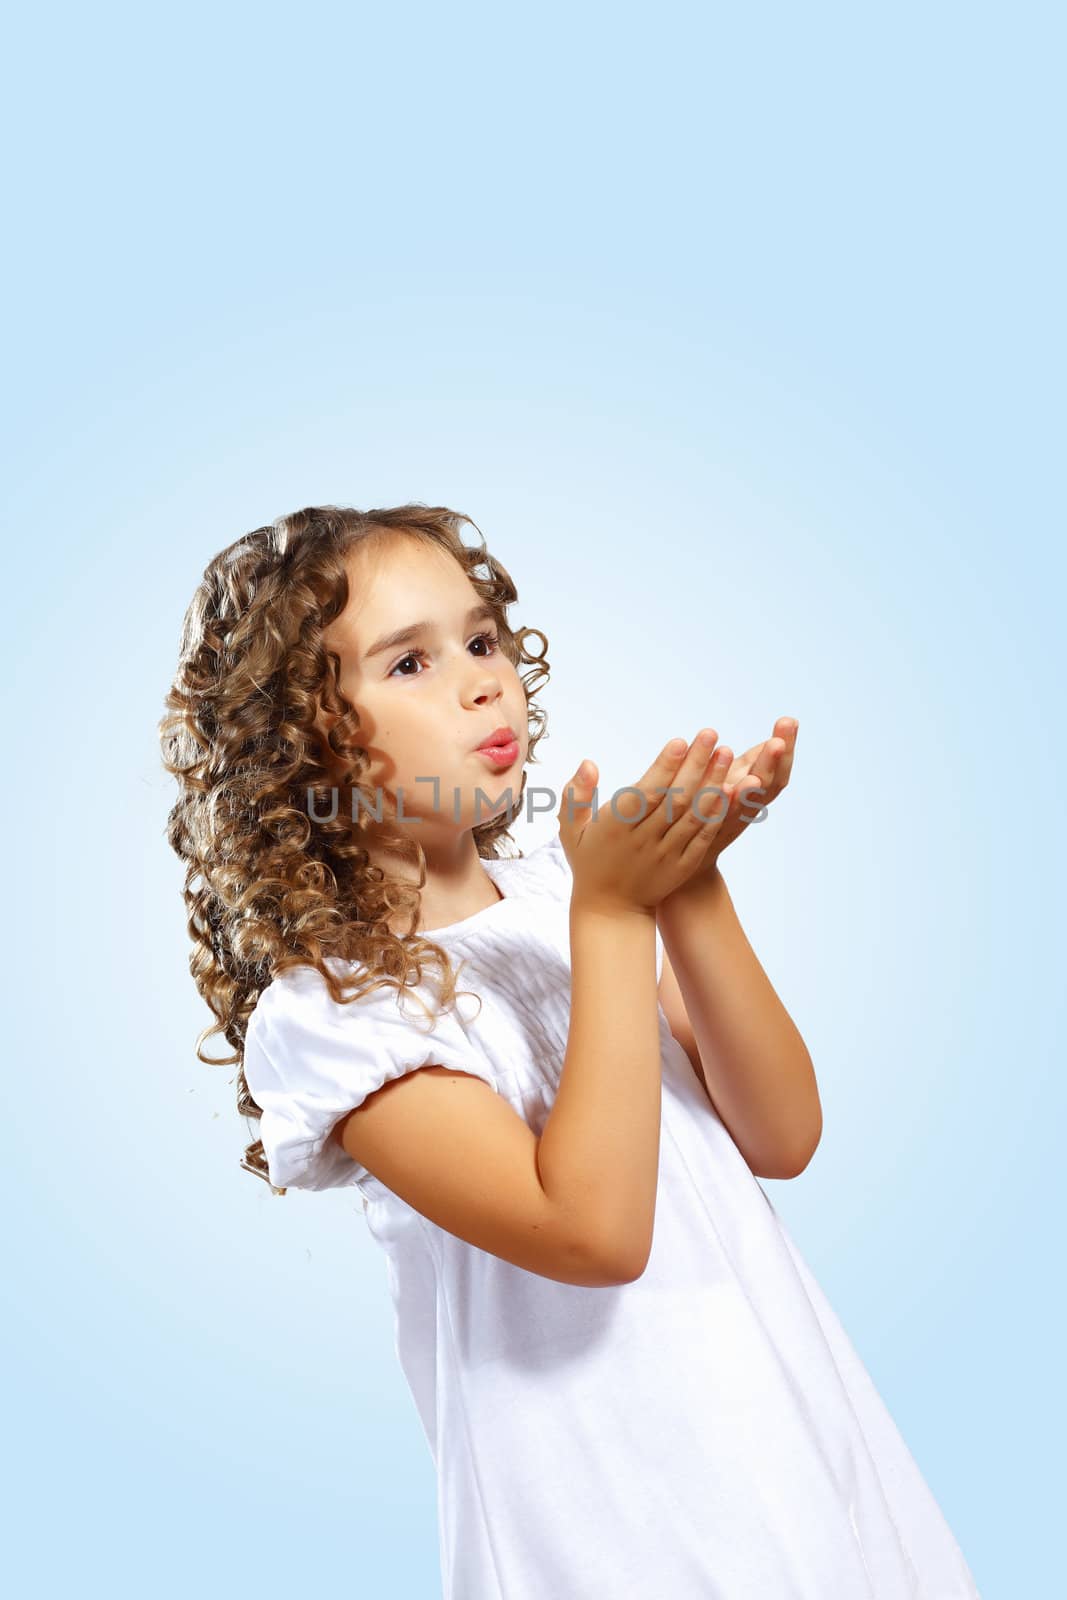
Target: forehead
[398,581]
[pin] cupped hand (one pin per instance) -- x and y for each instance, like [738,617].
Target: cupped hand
[647,839]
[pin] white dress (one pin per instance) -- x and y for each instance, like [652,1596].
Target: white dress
[706,1432]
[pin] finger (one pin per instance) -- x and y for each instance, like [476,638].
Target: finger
[709,802]
[670,771]
[665,765]
[707,814]
[786,727]
[688,780]
[693,772]
[577,795]
[765,769]
[735,819]
[752,796]
[707,820]
[785,731]
[585,777]
[741,766]
[634,802]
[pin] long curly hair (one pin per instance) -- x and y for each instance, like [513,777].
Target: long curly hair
[268,884]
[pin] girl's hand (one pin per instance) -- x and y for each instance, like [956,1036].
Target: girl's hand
[638,849]
[753,781]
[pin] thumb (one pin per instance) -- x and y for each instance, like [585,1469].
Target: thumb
[577,797]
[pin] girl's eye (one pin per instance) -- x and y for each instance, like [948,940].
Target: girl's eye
[491,639]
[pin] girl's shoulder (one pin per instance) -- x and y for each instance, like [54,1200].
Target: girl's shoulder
[301,993]
[307,1060]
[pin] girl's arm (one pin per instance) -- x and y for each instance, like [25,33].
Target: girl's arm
[599,1150]
[723,1009]
[576,1205]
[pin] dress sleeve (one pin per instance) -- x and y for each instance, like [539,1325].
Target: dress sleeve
[309,1060]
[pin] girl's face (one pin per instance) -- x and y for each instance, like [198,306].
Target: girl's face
[426,702]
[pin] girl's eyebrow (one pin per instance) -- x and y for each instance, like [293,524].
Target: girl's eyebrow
[390,641]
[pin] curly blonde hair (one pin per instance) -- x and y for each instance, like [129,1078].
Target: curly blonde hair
[269,885]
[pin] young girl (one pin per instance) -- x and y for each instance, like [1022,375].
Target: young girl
[630,1382]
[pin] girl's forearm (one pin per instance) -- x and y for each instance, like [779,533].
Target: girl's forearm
[599,1149]
[758,1072]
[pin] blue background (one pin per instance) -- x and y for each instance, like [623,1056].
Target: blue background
[740,335]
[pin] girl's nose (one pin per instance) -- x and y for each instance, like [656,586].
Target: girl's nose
[483,685]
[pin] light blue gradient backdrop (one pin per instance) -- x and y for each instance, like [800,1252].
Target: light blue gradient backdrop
[741,338]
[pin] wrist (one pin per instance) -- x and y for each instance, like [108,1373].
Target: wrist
[587,906]
[707,884]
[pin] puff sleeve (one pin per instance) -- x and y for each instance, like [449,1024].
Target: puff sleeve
[308,1061]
